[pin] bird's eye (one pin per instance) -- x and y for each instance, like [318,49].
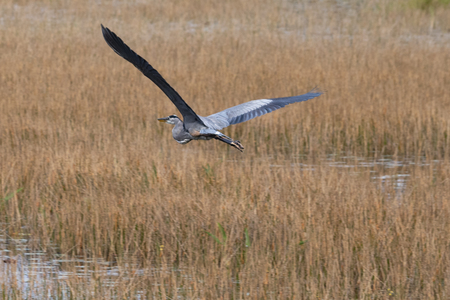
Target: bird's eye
[173,117]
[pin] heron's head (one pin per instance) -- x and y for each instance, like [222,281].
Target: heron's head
[172,119]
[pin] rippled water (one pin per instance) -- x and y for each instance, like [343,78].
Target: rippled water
[35,273]
[388,170]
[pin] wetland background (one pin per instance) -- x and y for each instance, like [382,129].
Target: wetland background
[344,196]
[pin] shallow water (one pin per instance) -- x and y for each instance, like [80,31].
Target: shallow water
[34,273]
[388,170]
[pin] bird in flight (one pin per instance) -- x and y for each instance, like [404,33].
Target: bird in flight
[193,126]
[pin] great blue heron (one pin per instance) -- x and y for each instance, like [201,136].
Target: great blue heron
[193,126]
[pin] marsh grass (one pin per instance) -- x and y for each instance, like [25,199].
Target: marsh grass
[100,178]
[429,5]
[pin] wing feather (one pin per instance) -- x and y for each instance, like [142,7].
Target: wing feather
[252,109]
[142,65]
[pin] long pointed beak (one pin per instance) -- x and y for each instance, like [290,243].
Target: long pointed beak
[163,119]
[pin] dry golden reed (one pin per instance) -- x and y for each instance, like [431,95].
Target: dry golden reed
[100,178]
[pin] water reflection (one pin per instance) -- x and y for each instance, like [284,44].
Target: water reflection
[390,172]
[34,274]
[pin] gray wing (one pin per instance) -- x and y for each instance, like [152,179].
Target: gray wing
[142,65]
[252,109]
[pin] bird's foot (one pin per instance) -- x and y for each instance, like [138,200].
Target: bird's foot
[230,141]
[237,145]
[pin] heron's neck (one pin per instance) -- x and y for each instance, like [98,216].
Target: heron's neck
[177,121]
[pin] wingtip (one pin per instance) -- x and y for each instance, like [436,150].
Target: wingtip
[317,90]
[105,30]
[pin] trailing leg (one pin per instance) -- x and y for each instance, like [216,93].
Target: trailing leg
[229,141]
[221,137]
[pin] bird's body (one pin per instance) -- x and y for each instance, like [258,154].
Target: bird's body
[180,134]
[183,136]
[193,126]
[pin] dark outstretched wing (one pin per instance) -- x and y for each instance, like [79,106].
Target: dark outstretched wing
[142,65]
[252,109]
